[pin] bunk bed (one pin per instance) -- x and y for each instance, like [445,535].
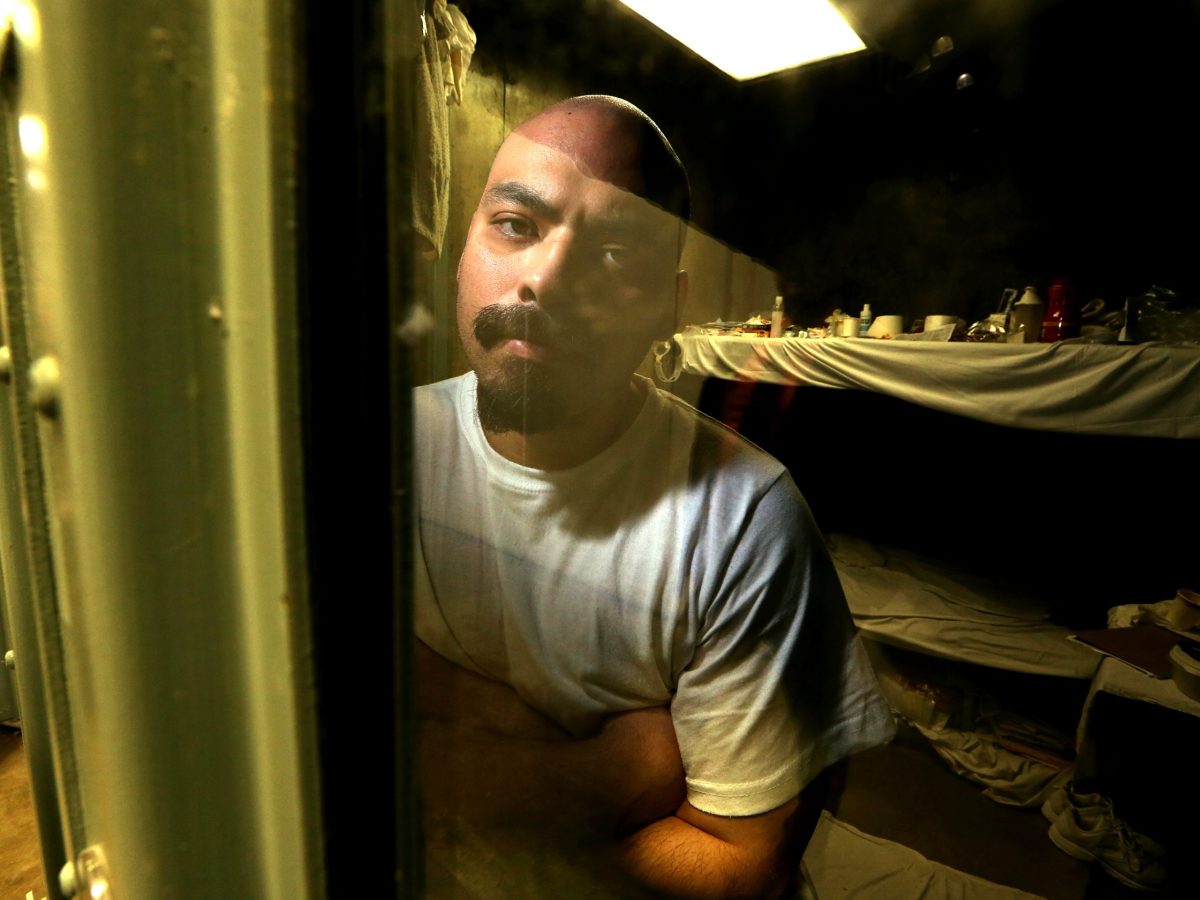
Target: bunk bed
[1107,397]
[1139,391]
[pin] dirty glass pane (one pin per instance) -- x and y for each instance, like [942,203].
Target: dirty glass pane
[771,436]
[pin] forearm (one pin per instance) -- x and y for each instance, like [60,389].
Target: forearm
[612,804]
[696,855]
[676,859]
[575,800]
[489,757]
[505,808]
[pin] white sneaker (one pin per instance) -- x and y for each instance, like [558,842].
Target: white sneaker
[1064,796]
[1096,835]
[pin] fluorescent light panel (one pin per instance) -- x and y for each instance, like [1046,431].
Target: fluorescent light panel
[752,38]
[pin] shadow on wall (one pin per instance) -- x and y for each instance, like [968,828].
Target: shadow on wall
[908,247]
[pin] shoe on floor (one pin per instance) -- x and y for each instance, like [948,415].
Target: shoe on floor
[1065,795]
[1098,836]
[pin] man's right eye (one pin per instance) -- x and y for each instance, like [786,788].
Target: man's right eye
[515,227]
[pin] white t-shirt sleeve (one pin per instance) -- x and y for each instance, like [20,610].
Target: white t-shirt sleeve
[779,686]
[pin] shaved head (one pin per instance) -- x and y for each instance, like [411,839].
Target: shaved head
[611,139]
[570,266]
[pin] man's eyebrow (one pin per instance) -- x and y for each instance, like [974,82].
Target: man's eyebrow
[619,224]
[522,194]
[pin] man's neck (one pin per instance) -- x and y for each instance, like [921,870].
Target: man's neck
[574,441]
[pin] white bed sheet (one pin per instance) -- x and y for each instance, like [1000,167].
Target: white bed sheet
[845,863]
[902,599]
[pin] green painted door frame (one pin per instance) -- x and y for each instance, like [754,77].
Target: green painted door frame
[165,595]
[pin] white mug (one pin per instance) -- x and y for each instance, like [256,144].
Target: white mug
[932,322]
[886,327]
[847,326]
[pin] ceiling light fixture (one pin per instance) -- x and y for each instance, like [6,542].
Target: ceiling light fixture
[751,38]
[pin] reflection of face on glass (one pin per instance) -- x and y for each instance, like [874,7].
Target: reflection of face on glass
[567,275]
[637,652]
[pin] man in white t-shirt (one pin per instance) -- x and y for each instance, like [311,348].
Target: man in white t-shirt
[632,637]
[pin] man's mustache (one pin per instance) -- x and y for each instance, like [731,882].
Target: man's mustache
[501,322]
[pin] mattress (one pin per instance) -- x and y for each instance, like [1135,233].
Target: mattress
[908,601]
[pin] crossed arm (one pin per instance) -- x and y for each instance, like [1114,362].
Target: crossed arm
[489,758]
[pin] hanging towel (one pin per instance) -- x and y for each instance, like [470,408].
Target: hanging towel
[457,48]
[446,48]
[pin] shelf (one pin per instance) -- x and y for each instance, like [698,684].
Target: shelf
[1143,390]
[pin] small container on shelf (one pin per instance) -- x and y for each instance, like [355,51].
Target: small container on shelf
[1027,315]
[777,317]
[1062,315]
[848,326]
[1129,322]
[864,320]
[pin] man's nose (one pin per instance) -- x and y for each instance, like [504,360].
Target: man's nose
[550,274]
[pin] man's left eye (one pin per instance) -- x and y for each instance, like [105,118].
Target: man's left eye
[616,254]
[514,227]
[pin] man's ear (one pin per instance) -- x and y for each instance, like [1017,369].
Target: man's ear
[670,320]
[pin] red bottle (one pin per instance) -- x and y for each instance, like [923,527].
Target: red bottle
[1062,313]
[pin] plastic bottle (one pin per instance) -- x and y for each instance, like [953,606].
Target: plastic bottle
[1128,333]
[1062,315]
[1027,315]
[864,320]
[777,317]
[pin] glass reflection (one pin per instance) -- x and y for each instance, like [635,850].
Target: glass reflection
[952,164]
[636,660]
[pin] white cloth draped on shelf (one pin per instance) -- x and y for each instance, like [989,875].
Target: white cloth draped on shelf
[1148,390]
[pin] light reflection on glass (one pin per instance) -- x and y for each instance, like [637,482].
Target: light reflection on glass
[31,131]
[24,19]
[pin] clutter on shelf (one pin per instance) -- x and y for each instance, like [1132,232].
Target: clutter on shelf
[1156,315]
[1016,757]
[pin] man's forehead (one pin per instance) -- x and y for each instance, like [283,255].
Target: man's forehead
[602,142]
[538,175]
